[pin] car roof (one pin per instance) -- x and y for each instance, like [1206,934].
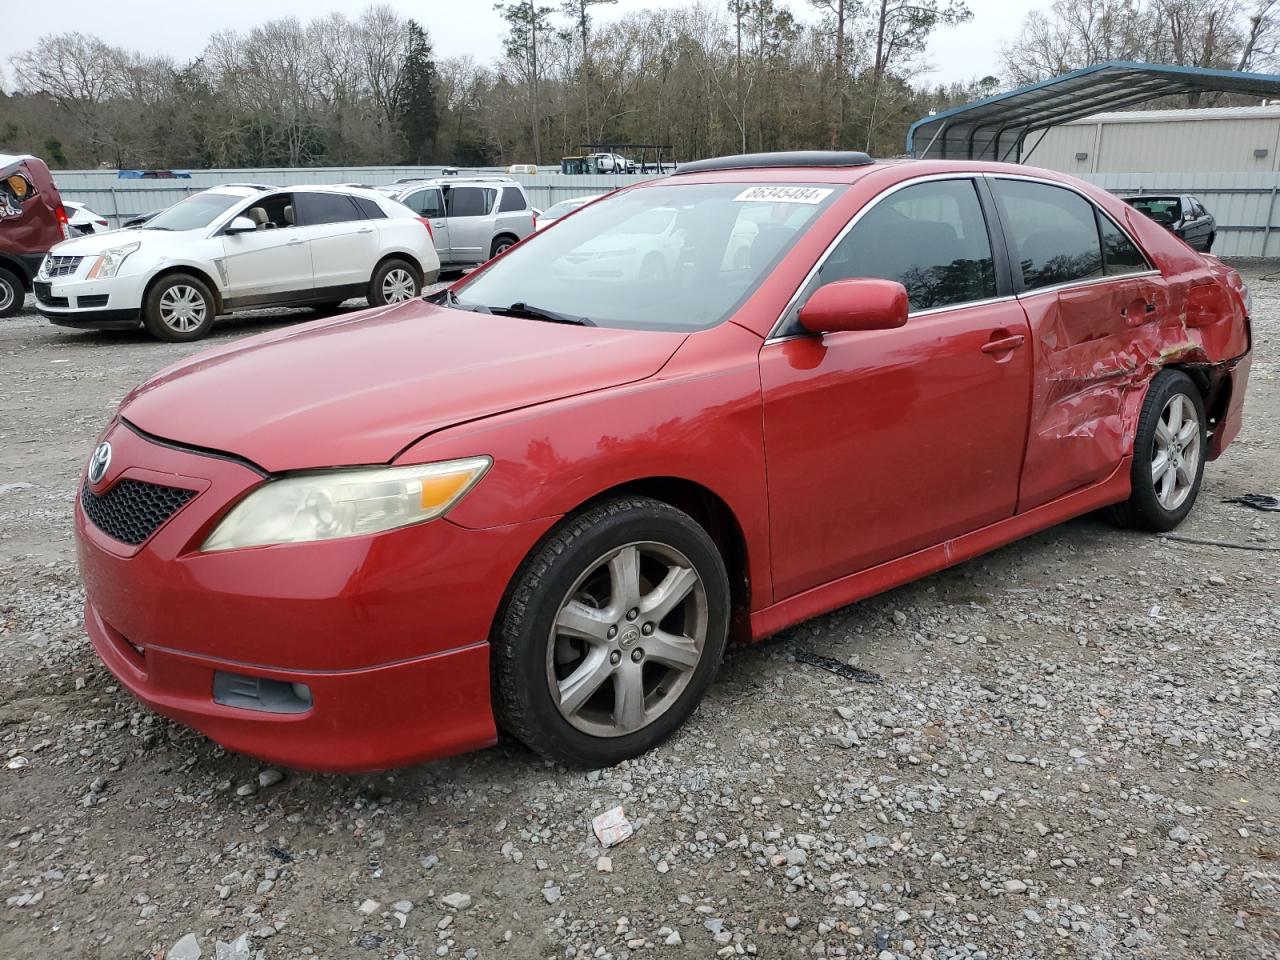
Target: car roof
[449,181]
[1153,196]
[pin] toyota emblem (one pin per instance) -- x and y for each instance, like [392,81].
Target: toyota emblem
[99,462]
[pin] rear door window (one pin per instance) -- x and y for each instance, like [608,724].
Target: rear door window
[512,199]
[369,209]
[931,237]
[470,201]
[1052,233]
[1119,254]
[319,208]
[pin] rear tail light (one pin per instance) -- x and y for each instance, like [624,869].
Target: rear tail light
[61,213]
[535,223]
[427,223]
[103,223]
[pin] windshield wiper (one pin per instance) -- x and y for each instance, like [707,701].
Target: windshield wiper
[522,309]
[447,298]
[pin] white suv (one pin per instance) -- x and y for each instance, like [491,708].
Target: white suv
[238,247]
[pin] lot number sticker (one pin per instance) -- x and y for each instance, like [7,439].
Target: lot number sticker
[785,194]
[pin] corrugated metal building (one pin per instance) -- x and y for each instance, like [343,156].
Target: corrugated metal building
[1215,140]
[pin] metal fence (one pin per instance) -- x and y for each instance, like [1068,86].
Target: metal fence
[118,200]
[1244,204]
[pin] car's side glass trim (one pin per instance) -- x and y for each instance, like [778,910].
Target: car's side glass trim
[1098,211]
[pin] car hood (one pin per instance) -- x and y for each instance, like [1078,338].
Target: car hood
[92,244]
[360,388]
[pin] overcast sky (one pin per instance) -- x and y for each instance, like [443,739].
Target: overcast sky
[457,26]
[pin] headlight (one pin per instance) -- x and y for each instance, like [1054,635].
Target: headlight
[108,262]
[1248,302]
[345,503]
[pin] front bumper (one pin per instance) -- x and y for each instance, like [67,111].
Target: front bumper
[113,304]
[389,633]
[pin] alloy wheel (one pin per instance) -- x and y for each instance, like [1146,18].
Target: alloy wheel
[7,295]
[182,308]
[1175,459]
[398,286]
[627,639]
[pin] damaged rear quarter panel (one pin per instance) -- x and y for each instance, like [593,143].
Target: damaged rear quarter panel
[1098,346]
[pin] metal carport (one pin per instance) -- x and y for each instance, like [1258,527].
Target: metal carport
[997,127]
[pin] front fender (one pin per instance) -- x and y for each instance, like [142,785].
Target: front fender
[699,420]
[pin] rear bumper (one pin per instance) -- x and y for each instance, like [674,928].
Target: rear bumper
[1228,427]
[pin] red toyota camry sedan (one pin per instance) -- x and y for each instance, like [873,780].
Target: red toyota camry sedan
[697,411]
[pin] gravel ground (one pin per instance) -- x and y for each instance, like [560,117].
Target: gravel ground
[1073,753]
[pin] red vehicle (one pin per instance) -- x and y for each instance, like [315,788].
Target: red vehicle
[546,506]
[32,220]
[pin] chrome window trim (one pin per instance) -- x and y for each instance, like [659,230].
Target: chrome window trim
[1089,200]
[773,335]
[1093,282]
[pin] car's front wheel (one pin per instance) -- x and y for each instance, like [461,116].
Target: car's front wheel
[11,293]
[179,308]
[1168,455]
[611,634]
[395,281]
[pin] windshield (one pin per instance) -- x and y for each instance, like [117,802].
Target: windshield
[1159,209]
[198,210]
[668,257]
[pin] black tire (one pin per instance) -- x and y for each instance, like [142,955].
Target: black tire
[522,644]
[501,244]
[1144,509]
[165,324]
[12,293]
[379,295]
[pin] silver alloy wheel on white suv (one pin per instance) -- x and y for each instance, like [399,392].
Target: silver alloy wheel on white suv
[182,308]
[398,286]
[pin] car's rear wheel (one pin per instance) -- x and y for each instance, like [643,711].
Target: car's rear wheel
[1168,455]
[611,633]
[11,293]
[501,245]
[179,308]
[395,281]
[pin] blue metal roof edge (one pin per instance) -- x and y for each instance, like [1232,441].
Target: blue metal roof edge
[1085,71]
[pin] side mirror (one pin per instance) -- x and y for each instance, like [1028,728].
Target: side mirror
[241,225]
[859,304]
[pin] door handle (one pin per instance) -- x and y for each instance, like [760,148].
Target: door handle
[365,230]
[1004,344]
[295,241]
[437,223]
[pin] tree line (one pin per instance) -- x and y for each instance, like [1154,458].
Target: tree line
[705,79]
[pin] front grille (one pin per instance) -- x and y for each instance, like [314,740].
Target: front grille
[132,510]
[60,266]
[43,295]
[95,300]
